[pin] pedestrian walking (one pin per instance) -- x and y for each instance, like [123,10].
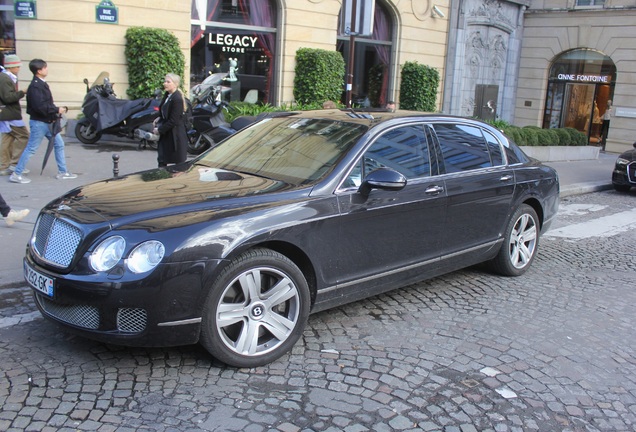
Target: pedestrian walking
[11,216]
[170,125]
[14,132]
[44,113]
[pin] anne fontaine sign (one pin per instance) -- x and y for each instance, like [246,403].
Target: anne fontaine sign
[603,79]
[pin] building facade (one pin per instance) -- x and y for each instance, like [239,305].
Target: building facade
[577,58]
[483,58]
[257,38]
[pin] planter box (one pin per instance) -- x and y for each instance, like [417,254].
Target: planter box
[561,153]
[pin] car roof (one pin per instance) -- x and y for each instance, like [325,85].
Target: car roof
[372,116]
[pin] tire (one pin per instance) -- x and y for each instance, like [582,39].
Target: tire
[256,310]
[520,245]
[198,143]
[621,188]
[86,133]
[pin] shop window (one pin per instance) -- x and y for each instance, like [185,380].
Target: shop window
[580,90]
[236,38]
[7,27]
[372,57]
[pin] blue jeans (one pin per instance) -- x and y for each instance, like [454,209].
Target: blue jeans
[40,130]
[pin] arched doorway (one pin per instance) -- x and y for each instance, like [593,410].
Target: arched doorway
[580,89]
[372,58]
[237,34]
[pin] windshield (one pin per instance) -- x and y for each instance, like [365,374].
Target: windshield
[296,151]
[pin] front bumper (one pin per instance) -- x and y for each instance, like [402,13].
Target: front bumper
[162,309]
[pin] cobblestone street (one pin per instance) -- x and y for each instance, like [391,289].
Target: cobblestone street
[553,350]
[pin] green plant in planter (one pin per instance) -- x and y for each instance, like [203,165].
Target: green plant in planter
[376,76]
[319,76]
[418,89]
[151,53]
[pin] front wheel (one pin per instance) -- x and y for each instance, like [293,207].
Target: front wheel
[520,243]
[256,310]
[86,133]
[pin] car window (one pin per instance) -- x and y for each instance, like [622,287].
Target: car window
[403,149]
[463,147]
[513,152]
[296,151]
[496,157]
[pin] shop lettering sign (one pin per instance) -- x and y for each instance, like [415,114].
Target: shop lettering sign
[625,112]
[106,13]
[585,78]
[232,43]
[25,9]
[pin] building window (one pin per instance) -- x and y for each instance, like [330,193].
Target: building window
[586,3]
[372,57]
[237,38]
[7,27]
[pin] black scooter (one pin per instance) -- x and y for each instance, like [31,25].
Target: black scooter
[207,119]
[105,114]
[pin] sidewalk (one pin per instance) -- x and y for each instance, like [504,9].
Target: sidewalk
[94,162]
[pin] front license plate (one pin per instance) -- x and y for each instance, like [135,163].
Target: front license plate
[37,280]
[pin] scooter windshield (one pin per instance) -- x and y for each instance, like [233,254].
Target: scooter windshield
[201,91]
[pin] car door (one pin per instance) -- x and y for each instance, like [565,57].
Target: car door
[390,234]
[479,186]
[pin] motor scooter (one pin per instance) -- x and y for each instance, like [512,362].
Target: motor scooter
[105,114]
[207,125]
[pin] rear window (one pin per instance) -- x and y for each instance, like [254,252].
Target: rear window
[463,147]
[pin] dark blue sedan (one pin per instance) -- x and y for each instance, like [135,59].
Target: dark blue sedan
[292,215]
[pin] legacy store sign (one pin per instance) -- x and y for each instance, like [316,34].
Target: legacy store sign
[232,43]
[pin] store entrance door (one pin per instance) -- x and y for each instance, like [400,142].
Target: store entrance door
[581,111]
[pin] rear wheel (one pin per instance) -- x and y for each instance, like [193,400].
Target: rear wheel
[520,243]
[86,133]
[256,310]
[198,143]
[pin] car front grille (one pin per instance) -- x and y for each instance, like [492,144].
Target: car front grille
[79,315]
[55,240]
[631,172]
[129,320]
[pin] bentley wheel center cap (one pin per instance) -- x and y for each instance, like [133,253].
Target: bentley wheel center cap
[257,311]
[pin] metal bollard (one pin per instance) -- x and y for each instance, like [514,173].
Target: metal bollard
[115,165]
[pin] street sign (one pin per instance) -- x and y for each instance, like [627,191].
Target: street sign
[106,13]
[25,9]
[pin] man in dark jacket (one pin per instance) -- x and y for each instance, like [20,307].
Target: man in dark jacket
[14,132]
[43,114]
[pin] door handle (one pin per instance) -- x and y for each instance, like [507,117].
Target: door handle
[434,190]
[506,178]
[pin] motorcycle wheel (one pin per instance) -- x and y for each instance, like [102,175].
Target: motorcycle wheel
[197,144]
[86,133]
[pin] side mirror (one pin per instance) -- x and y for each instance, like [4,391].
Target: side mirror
[382,178]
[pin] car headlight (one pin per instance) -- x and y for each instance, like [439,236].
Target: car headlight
[621,162]
[107,254]
[146,256]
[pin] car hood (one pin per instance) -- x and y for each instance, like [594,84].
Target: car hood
[162,192]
